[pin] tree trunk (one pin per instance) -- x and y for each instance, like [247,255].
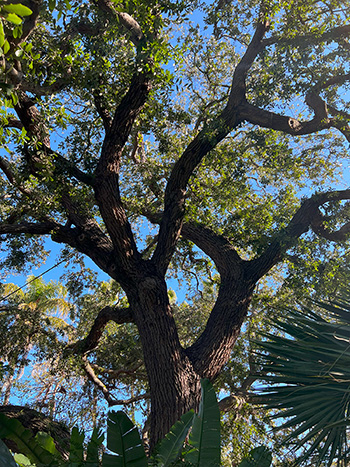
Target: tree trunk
[173,373]
[173,383]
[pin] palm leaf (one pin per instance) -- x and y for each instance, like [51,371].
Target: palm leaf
[308,371]
[93,447]
[76,452]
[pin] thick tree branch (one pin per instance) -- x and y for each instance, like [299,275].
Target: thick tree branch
[87,237]
[216,246]
[35,228]
[108,313]
[70,168]
[31,119]
[207,139]
[5,166]
[47,90]
[307,39]
[12,122]
[107,172]
[102,111]
[29,22]
[289,125]
[308,215]
[238,88]
[237,283]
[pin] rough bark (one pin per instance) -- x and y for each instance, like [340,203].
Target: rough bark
[173,383]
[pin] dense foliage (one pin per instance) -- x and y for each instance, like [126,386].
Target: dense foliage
[193,146]
[307,371]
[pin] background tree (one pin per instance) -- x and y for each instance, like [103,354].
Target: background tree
[102,149]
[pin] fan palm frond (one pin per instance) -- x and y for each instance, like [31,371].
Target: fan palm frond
[307,368]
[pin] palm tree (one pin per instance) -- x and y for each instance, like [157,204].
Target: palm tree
[307,370]
[30,320]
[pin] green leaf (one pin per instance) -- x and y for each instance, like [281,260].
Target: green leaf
[257,457]
[6,458]
[47,443]
[11,428]
[22,460]
[52,5]
[123,438]
[18,9]
[76,453]
[205,435]
[2,34]
[13,18]
[93,447]
[169,448]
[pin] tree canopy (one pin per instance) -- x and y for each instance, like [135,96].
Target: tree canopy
[203,142]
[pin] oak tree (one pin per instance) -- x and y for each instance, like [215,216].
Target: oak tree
[163,136]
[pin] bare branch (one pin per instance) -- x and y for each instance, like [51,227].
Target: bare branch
[114,374]
[105,391]
[35,228]
[108,313]
[131,400]
[96,381]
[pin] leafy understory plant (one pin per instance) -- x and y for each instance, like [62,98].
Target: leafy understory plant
[202,448]
[307,371]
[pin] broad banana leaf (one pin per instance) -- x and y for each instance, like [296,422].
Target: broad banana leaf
[170,447]
[27,444]
[6,459]
[205,434]
[257,457]
[123,438]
